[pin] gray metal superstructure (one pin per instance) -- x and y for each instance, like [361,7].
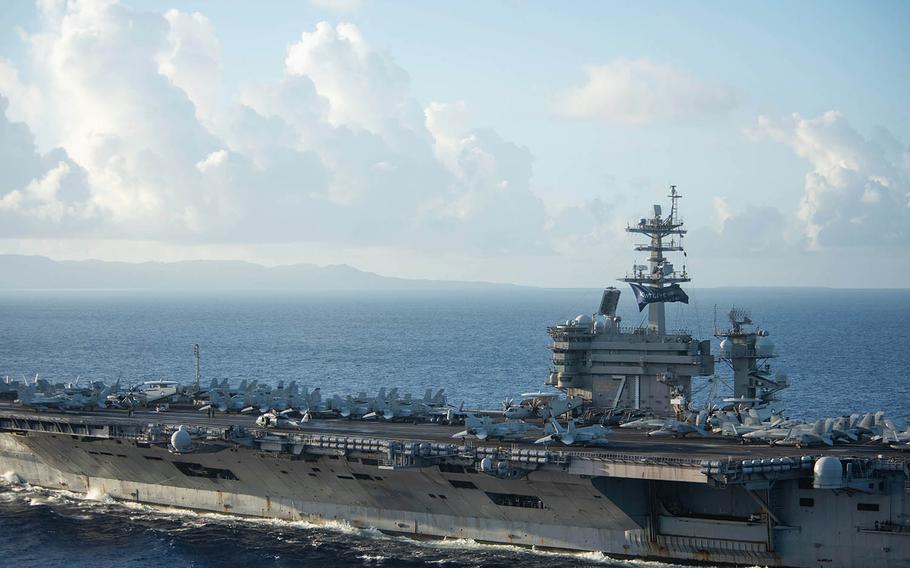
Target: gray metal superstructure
[640,368]
[708,499]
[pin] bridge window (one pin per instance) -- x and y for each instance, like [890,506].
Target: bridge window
[867,506]
[198,470]
[515,500]
[806,502]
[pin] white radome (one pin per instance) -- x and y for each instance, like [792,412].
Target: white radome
[829,473]
[726,347]
[181,439]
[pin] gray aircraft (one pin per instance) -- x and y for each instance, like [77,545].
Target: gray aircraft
[63,400]
[595,435]
[679,429]
[539,405]
[643,423]
[484,427]
[273,419]
[891,435]
[798,435]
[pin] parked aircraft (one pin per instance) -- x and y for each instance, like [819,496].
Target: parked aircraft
[798,435]
[646,423]
[539,405]
[484,427]
[275,420]
[66,399]
[679,429]
[587,435]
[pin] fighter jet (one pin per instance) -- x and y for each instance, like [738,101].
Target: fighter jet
[437,400]
[644,423]
[62,400]
[309,405]
[679,429]
[242,402]
[595,434]
[798,435]
[484,427]
[890,435]
[397,410]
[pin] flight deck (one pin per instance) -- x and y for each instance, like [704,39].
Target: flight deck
[693,449]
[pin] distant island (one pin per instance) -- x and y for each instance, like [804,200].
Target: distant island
[20,272]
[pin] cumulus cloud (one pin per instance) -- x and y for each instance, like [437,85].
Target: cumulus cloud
[337,149]
[39,194]
[756,230]
[191,59]
[364,88]
[858,191]
[641,91]
[490,191]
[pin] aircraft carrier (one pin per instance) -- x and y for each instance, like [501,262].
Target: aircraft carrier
[795,499]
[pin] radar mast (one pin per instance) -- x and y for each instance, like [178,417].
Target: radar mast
[660,271]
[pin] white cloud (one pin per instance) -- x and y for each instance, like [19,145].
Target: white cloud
[338,149]
[364,88]
[858,191]
[39,194]
[721,210]
[641,91]
[212,161]
[192,59]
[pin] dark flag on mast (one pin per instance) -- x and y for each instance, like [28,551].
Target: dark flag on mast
[645,295]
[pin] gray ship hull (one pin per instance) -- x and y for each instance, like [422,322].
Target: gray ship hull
[621,504]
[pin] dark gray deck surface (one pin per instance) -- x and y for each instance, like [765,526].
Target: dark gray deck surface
[635,443]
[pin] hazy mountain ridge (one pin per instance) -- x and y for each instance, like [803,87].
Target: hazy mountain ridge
[20,272]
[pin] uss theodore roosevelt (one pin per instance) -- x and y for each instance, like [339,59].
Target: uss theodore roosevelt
[708,499]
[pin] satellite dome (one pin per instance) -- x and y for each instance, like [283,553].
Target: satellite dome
[726,347]
[764,347]
[583,319]
[828,473]
[181,439]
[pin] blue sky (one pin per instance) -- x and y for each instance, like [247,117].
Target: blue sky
[515,137]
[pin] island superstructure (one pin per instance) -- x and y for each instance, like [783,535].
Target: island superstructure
[644,368]
[801,502]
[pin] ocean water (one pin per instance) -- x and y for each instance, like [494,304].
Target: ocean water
[844,350]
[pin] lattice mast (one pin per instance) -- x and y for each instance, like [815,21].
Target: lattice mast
[660,271]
